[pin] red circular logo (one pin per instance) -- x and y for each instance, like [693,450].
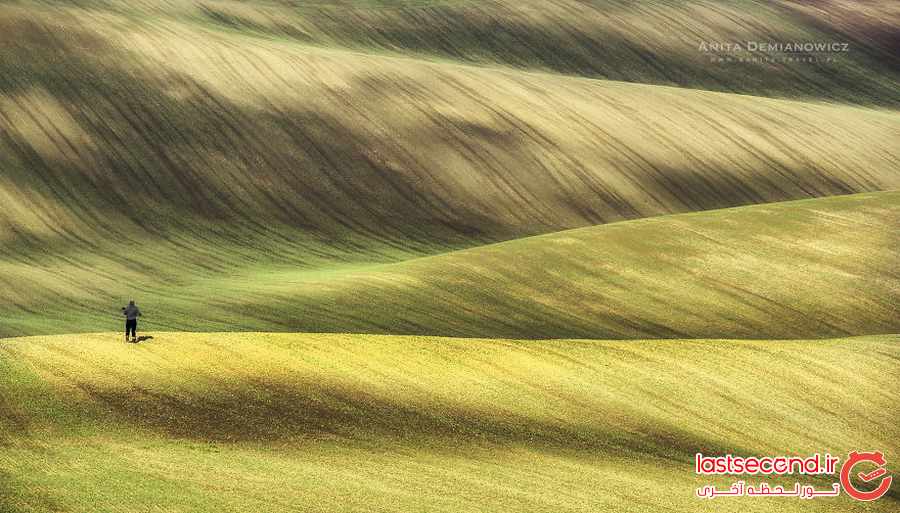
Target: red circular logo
[865,457]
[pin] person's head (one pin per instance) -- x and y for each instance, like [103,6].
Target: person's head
[131,303]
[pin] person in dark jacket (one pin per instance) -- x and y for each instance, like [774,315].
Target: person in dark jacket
[131,313]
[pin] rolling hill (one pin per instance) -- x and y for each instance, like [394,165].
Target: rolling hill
[121,125]
[115,126]
[644,41]
[813,268]
[231,179]
[640,251]
[293,422]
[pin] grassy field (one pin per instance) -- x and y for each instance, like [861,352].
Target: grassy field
[291,422]
[645,41]
[641,253]
[814,268]
[236,178]
[116,125]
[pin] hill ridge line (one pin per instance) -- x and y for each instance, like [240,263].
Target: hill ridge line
[505,69]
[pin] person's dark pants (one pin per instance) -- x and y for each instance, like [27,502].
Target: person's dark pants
[131,325]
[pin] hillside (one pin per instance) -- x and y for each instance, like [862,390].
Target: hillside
[124,127]
[316,423]
[643,41]
[814,268]
[233,181]
[444,256]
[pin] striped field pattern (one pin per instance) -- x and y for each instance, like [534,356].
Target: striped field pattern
[441,255]
[193,163]
[294,422]
[814,268]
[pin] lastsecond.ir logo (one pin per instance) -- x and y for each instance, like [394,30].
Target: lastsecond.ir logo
[855,458]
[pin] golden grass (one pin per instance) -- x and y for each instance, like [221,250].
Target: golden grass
[177,158]
[282,422]
[302,166]
[647,41]
[149,123]
[217,170]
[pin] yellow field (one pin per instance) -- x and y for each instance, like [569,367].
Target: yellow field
[293,422]
[303,196]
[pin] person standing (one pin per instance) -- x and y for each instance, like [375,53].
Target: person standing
[131,313]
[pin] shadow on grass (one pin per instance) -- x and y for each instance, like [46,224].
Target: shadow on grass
[259,410]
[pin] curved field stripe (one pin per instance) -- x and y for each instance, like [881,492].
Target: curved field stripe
[647,41]
[813,268]
[164,126]
[238,182]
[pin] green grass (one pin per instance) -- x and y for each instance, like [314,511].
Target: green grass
[534,176]
[212,176]
[814,268]
[230,182]
[294,422]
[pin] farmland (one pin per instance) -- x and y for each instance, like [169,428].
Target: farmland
[434,255]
